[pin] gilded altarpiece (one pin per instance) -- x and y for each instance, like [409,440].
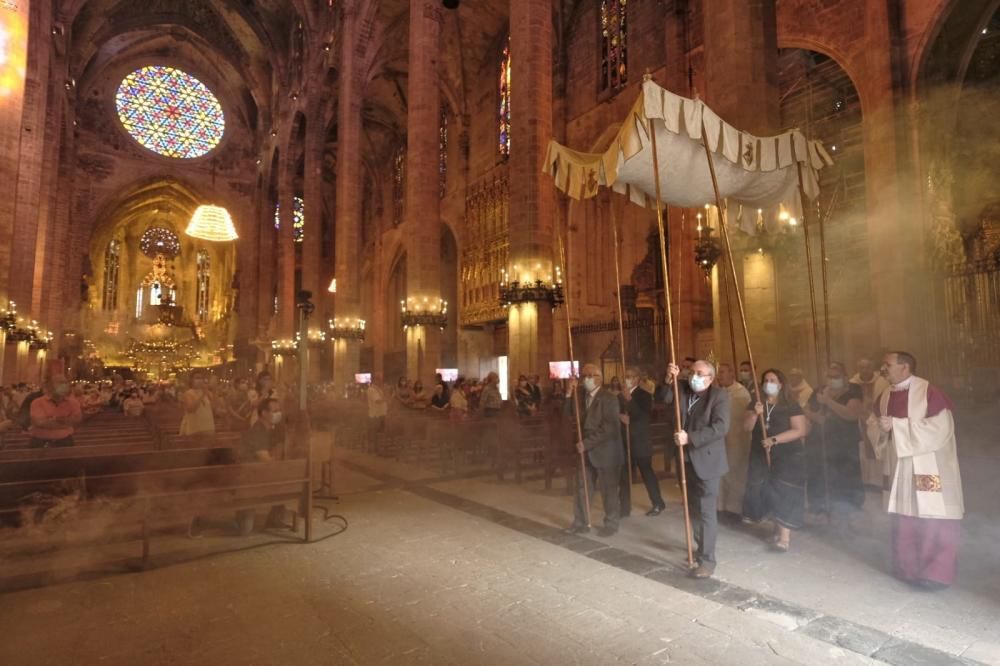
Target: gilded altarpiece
[485,251]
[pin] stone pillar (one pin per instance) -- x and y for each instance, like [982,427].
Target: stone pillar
[31,210]
[422,225]
[346,303]
[894,238]
[15,21]
[286,325]
[742,87]
[312,248]
[530,326]
[741,63]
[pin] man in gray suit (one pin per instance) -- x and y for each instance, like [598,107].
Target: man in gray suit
[704,424]
[601,446]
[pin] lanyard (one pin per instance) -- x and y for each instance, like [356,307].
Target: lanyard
[692,401]
[767,418]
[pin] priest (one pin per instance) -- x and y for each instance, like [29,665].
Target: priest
[914,435]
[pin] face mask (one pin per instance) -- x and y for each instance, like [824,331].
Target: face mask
[630,383]
[744,376]
[589,384]
[61,389]
[698,383]
[771,388]
[275,418]
[837,384]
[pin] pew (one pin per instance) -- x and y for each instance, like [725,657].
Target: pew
[156,498]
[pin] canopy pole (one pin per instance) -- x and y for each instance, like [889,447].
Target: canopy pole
[670,338]
[726,277]
[724,224]
[574,398]
[803,202]
[621,334]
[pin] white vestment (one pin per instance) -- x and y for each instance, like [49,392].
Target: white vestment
[734,483]
[921,458]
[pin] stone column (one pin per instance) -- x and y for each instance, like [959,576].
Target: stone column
[422,225]
[312,247]
[742,87]
[32,169]
[286,325]
[347,220]
[529,328]
[15,21]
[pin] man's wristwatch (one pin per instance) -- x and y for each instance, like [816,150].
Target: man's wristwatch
[774,441]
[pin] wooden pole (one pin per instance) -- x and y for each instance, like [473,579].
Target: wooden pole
[724,225]
[726,277]
[574,398]
[621,334]
[670,338]
[803,202]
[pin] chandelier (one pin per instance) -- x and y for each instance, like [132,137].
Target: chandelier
[415,312]
[284,347]
[347,329]
[707,248]
[212,223]
[528,291]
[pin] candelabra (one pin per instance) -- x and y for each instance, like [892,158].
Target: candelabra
[415,312]
[537,291]
[284,347]
[707,248]
[347,329]
[316,338]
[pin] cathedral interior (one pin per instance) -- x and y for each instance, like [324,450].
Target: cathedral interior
[336,192]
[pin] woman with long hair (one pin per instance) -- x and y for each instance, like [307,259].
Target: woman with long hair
[779,491]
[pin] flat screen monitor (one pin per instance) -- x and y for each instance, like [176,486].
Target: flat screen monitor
[448,374]
[561,369]
[363,378]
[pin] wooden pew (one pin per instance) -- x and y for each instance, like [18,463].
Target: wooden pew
[151,499]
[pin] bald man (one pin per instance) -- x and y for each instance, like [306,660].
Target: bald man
[601,447]
[705,416]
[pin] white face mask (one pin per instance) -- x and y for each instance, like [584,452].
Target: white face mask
[771,388]
[837,384]
[744,376]
[698,383]
[589,384]
[275,418]
[630,382]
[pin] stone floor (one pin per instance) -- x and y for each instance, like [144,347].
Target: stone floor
[468,570]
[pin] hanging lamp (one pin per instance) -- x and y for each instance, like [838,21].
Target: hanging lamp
[212,223]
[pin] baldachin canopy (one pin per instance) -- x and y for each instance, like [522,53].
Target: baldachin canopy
[754,173]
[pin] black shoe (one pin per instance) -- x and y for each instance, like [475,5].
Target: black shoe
[607,531]
[656,510]
[931,585]
[577,529]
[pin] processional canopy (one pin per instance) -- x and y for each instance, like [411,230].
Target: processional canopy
[759,175]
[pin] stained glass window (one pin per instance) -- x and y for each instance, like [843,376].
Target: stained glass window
[614,44]
[398,185]
[112,267]
[159,240]
[204,268]
[443,150]
[170,112]
[504,106]
[298,218]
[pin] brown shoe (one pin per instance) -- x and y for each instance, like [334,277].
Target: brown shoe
[702,572]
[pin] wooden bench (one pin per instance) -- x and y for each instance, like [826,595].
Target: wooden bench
[162,497]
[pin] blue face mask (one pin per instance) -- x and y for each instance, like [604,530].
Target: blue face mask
[698,383]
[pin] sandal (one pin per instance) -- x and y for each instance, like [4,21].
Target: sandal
[781,546]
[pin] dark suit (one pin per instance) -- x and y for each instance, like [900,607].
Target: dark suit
[604,453]
[705,419]
[640,413]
